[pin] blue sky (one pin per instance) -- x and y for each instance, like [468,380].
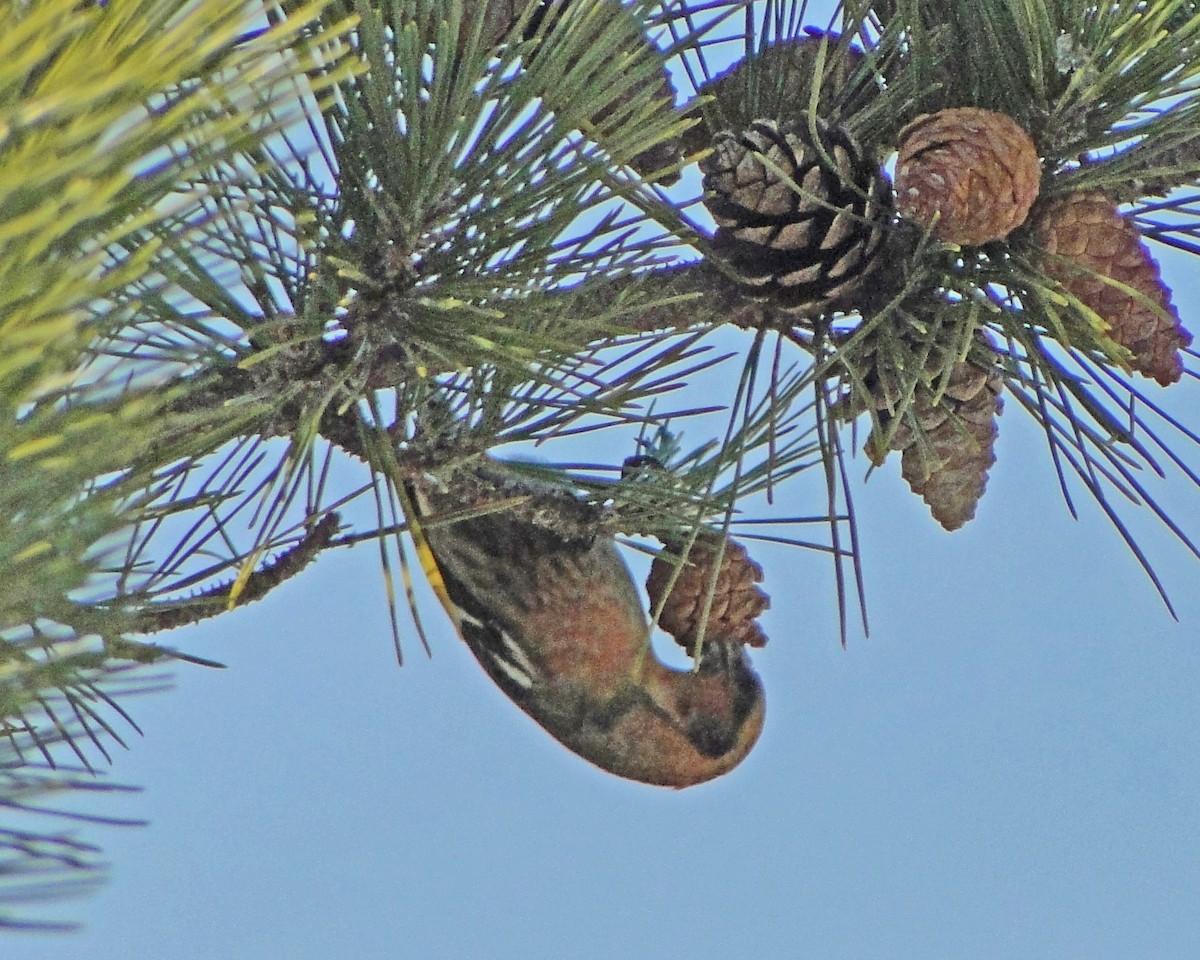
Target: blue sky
[1008,767]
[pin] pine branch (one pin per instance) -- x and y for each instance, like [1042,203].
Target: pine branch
[426,234]
[109,112]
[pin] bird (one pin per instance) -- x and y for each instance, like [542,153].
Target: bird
[550,610]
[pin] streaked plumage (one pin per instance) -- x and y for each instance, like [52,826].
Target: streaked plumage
[557,622]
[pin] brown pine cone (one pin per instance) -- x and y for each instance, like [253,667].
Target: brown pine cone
[735,600]
[500,17]
[775,82]
[1087,240]
[807,250]
[970,175]
[950,472]
[946,435]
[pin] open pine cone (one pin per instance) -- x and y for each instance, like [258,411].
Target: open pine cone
[796,231]
[1088,245]
[736,601]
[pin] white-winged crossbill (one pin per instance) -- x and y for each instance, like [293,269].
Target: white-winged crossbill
[552,614]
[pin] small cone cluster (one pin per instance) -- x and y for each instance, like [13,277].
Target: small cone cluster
[1099,257]
[727,609]
[946,435]
[795,229]
[969,175]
